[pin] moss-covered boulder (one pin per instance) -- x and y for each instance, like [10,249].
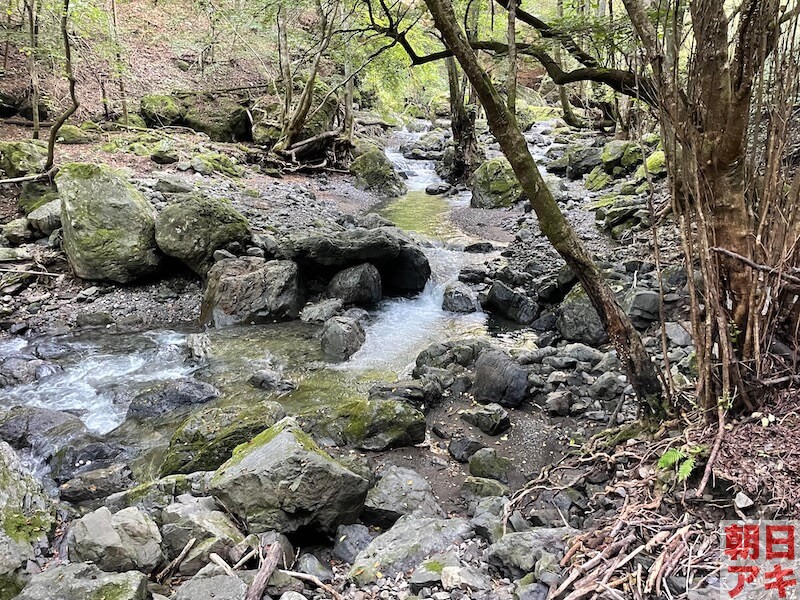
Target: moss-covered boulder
[18,159]
[656,164]
[208,438]
[72,134]
[494,185]
[283,481]
[109,226]
[159,110]
[528,115]
[193,229]
[210,163]
[597,179]
[35,194]
[222,118]
[621,156]
[376,173]
[84,581]
[25,518]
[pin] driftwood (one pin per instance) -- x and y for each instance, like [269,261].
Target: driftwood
[177,562]
[269,562]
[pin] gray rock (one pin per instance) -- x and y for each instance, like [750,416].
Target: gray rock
[154,496]
[41,429]
[578,321]
[219,587]
[559,402]
[350,541]
[516,554]
[342,337]
[357,285]
[126,541]
[678,334]
[429,573]
[462,448]
[171,396]
[375,172]
[607,386]
[17,231]
[47,218]
[173,184]
[108,225]
[644,305]
[419,393]
[499,379]
[583,353]
[399,491]
[495,185]
[475,488]
[251,289]
[514,304]
[459,298]
[491,419]
[321,311]
[311,565]
[194,228]
[403,547]
[283,481]
[465,578]
[81,581]
[290,595]
[97,483]
[486,463]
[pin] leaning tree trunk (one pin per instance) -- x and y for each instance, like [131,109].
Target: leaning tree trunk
[554,225]
[466,152]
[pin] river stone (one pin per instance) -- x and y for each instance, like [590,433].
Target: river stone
[400,261]
[126,541]
[108,225]
[342,337]
[221,117]
[251,289]
[219,587]
[350,541]
[429,573]
[499,379]
[578,321]
[198,518]
[607,386]
[311,565]
[475,488]
[47,218]
[194,228]
[97,483]
[517,553]
[462,448]
[25,518]
[491,419]
[486,463]
[411,540]
[44,430]
[494,185]
[208,437]
[621,156]
[581,160]
[512,303]
[152,497]
[17,231]
[167,397]
[321,311]
[357,285]
[376,173]
[82,581]
[459,298]
[678,333]
[283,481]
[18,159]
[399,491]
[422,393]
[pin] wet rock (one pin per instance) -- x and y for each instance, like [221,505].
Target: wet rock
[44,430]
[83,456]
[47,218]
[491,419]
[126,541]
[192,229]
[251,289]
[219,587]
[171,396]
[516,554]
[459,298]
[475,488]
[272,380]
[512,303]
[479,248]
[422,394]
[252,484]
[376,173]
[208,437]
[311,565]
[429,146]
[499,379]
[578,321]
[437,189]
[357,285]
[462,353]
[399,492]
[486,463]
[198,518]
[411,540]
[462,448]
[495,185]
[342,337]
[350,541]
[79,581]
[321,311]
[98,483]
[108,225]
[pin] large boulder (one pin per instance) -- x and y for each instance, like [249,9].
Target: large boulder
[459,298]
[516,554]
[512,303]
[194,228]
[357,285]
[222,118]
[22,158]
[82,581]
[43,430]
[166,398]
[499,379]
[578,321]
[581,160]
[208,437]
[429,146]
[159,110]
[251,289]
[217,587]
[342,337]
[25,518]
[126,541]
[283,481]
[410,541]
[399,492]
[376,173]
[620,156]
[400,261]
[494,185]
[109,226]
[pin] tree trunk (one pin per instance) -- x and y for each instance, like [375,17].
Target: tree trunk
[51,143]
[349,119]
[511,35]
[118,67]
[554,225]
[563,94]
[466,153]
[32,67]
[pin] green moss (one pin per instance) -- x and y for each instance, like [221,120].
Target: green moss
[604,201]
[10,587]
[434,566]
[26,528]
[495,185]
[417,211]
[656,165]
[374,171]
[597,179]
[208,163]
[112,591]
[35,194]
[22,158]
[160,110]
[71,134]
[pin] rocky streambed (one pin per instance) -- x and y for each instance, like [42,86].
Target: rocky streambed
[442,356]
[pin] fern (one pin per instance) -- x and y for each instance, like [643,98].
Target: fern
[670,458]
[685,469]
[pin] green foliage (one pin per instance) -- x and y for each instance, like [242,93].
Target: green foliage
[682,460]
